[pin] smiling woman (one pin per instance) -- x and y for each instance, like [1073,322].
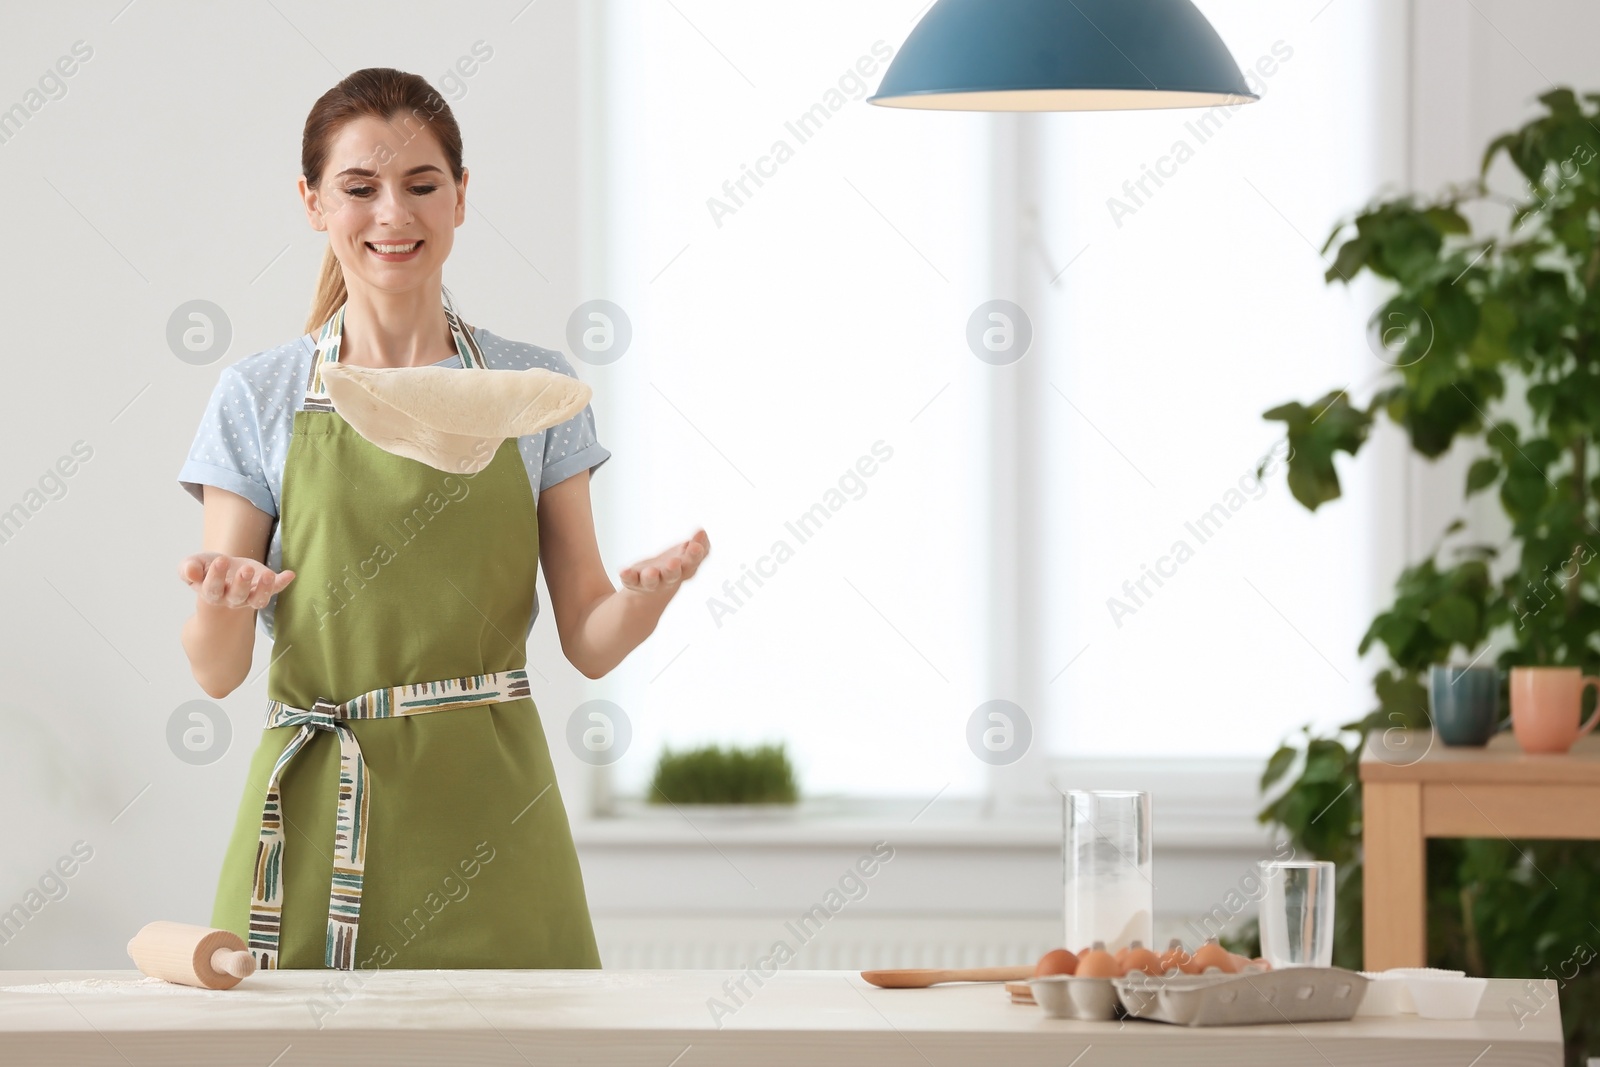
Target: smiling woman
[390,213]
[380,789]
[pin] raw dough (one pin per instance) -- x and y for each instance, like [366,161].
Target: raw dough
[451,419]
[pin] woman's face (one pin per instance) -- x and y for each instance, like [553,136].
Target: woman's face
[387,184]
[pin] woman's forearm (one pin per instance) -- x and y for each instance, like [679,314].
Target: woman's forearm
[219,641]
[613,626]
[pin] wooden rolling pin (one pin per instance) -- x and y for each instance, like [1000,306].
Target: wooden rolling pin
[191,955]
[921,979]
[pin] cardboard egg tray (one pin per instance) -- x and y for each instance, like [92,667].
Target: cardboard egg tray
[1289,995]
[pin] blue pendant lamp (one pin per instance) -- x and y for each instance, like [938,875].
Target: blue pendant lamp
[1062,55]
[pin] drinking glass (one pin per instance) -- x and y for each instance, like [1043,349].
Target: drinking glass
[1106,868]
[1296,916]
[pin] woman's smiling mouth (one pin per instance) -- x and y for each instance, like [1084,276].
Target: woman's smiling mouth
[394,252]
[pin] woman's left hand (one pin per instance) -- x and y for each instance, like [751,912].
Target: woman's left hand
[665,573]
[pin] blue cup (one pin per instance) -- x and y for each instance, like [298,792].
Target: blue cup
[1465,703]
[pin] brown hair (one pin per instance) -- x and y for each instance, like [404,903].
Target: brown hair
[383,93]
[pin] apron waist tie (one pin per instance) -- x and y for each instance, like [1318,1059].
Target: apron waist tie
[350,822]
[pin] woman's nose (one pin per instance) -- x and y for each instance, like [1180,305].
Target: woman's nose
[391,206]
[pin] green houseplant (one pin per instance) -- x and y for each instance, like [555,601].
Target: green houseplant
[1494,345]
[714,775]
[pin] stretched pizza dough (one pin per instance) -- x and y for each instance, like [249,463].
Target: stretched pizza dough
[451,419]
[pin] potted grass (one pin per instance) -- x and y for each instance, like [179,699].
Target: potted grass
[728,782]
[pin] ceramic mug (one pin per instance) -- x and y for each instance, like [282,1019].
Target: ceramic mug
[1546,704]
[1465,702]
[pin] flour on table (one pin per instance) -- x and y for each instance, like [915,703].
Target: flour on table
[145,984]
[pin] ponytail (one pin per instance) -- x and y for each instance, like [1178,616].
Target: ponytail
[330,291]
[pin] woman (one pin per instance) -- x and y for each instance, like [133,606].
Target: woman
[401,807]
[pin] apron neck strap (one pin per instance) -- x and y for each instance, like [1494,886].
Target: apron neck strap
[332,333]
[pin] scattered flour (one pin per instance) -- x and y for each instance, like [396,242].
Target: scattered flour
[145,984]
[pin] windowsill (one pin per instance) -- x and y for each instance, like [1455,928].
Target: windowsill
[1200,820]
[820,821]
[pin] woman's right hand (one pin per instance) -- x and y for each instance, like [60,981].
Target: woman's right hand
[232,581]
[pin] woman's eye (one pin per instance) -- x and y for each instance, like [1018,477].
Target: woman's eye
[361,191]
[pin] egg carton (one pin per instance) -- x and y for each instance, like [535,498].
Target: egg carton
[1286,995]
[1064,996]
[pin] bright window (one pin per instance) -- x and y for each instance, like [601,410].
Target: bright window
[1196,302]
[799,268]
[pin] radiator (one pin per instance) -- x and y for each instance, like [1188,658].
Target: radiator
[845,942]
[841,943]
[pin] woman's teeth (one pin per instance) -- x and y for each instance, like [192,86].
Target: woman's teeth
[393,249]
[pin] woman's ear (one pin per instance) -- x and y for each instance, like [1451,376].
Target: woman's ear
[311,199]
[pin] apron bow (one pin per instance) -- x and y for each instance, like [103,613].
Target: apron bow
[350,819]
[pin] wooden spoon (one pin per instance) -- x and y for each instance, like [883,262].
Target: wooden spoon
[922,978]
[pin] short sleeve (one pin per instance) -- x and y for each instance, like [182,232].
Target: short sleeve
[572,446]
[227,450]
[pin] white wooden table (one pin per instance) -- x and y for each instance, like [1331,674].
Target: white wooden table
[662,1018]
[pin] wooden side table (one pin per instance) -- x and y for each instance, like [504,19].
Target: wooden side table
[1415,787]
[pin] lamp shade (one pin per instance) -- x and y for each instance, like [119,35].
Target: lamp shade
[1062,55]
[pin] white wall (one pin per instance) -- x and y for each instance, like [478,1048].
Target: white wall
[165,173]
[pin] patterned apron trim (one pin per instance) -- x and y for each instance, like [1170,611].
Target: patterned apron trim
[332,334]
[350,822]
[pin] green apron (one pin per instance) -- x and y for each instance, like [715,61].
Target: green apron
[413,592]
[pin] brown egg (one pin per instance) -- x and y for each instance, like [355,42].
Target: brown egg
[1176,956]
[1139,958]
[1240,962]
[1056,961]
[1211,954]
[1098,963]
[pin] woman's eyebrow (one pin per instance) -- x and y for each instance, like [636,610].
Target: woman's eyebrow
[365,173]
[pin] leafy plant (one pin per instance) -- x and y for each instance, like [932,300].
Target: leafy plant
[713,775]
[1494,343]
